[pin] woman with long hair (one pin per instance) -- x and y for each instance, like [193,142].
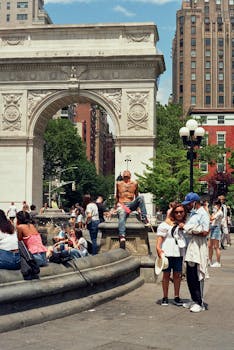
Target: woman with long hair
[9,251]
[92,220]
[171,242]
[28,233]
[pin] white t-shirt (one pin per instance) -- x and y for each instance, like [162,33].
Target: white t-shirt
[169,245]
[217,218]
[8,241]
[12,211]
[93,209]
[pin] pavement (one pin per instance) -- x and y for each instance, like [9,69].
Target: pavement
[136,321]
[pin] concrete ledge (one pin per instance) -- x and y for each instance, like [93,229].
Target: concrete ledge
[68,290]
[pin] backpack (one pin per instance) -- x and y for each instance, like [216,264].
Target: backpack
[60,257]
[29,268]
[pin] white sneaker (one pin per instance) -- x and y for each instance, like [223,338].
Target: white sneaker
[197,308]
[209,263]
[188,305]
[216,264]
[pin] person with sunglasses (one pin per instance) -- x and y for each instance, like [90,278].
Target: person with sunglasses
[172,243]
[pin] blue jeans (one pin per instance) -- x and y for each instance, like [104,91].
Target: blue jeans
[40,259]
[93,232]
[138,202]
[9,260]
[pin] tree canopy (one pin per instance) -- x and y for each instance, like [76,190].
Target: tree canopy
[64,149]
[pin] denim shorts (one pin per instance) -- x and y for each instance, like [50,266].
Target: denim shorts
[215,232]
[175,264]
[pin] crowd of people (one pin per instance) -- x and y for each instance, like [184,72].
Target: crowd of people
[188,237]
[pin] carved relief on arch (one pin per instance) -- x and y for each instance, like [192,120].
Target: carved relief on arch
[11,119]
[113,98]
[138,37]
[138,115]
[34,97]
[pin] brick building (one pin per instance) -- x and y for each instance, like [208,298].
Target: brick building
[203,71]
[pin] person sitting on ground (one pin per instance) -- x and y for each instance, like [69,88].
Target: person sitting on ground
[28,233]
[172,243]
[9,250]
[127,199]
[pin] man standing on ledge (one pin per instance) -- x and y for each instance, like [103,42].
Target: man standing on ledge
[127,200]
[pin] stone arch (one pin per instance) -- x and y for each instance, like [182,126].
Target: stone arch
[47,67]
[44,104]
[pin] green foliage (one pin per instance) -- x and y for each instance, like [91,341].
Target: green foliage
[64,149]
[167,177]
[231,160]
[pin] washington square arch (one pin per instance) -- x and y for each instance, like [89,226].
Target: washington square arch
[46,67]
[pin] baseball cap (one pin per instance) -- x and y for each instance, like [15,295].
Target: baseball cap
[191,197]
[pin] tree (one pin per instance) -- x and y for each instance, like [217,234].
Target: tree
[64,149]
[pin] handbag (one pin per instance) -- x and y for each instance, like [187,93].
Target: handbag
[28,266]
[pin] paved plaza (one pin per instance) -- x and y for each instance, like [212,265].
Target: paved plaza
[136,322]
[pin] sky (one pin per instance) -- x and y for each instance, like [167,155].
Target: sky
[161,12]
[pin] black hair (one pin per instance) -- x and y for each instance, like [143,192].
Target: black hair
[23,217]
[5,225]
[78,233]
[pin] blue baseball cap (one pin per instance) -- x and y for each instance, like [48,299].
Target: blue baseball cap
[191,197]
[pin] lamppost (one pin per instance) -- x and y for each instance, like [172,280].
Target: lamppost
[59,184]
[127,160]
[191,135]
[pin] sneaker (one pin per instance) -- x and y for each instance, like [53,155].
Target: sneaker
[216,264]
[122,242]
[188,305]
[209,263]
[196,308]
[164,302]
[145,221]
[178,301]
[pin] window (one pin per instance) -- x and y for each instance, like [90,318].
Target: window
[221,119]
[207,53]
[207,41]
[218,2]
[207,20]
[193,53]
[232,87]
[220,42]
[220,64]
[193,42]
[207,76]
[220,76]
[207,64]
[204,167]
[232,53]
[181,43]
[207,100]
[220,53]
[193,64]
[232,39]
[181,77]
[22,5]
[221,164]
[181,88]
[206,10]
[181,66]
[207,87]
[22,17]
[193,100]
[221,138]
[8,5]
[220,88]
[193,19]
[181,19]
[193,87]
[231,2]
[220,100]
[193,30]
[8,18]
[193,76]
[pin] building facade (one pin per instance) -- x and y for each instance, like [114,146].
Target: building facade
[22,13]
[203,73]
[203,55]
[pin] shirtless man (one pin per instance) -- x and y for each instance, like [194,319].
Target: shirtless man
[127,200]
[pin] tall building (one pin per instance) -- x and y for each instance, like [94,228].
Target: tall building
[203,55]
[22,13]
[203,73]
